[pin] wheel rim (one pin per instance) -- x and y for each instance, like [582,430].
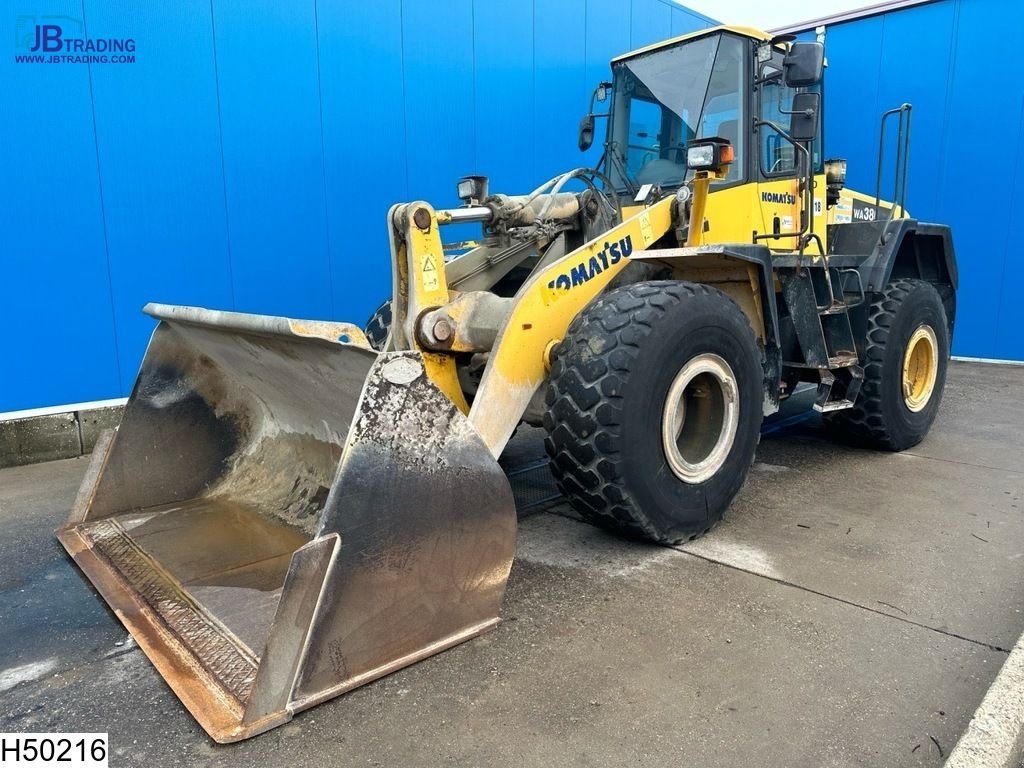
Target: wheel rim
[700,418]
[920,368]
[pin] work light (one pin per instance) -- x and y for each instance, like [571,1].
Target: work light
[835,172]
[709,155]
[472,189]
[835,180]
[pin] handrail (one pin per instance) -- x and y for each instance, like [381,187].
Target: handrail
[899,193]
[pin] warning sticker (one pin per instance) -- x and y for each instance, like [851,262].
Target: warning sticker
[430,279]
[645,229]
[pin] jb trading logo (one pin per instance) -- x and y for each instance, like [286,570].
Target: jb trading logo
[62,40]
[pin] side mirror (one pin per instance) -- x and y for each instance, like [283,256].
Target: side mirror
[803,120]
[586,139]
[804,64]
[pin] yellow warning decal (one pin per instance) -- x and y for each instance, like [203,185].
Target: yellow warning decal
[645,229]
[430,280]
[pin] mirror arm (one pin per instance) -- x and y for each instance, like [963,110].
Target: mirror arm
[591,115]
[593,95]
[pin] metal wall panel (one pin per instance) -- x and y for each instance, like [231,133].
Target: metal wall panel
[648,22]
[503,72]
[1010,323]
[267,72]
[160,170]
[561,85]
[56,313]
[363,103]
[851,108]
[915,68]
[440,108]
[972,83]
[685,21]
[948,61]
[984,101]
[248,157]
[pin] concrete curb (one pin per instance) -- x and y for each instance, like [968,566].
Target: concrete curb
[995,736]
[54,435]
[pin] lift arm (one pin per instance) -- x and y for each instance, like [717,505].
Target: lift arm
[540,313]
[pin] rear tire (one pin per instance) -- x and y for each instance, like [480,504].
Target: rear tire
[379,326]
[654,409]
[905,356]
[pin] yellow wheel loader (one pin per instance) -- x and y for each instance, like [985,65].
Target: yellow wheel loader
[288,511]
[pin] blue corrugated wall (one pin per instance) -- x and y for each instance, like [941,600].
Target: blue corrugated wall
[958,63]
[248,157]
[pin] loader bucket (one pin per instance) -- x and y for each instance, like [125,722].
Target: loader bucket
[283,515]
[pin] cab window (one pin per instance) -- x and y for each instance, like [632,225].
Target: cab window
[777,156]
[646,120]
[665,99]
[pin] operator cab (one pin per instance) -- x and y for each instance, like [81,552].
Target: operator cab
[729,83]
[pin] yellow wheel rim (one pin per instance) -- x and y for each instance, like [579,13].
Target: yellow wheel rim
[920,368]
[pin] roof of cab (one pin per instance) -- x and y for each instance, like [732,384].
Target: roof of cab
[751,32]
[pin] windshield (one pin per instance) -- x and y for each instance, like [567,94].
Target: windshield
[667,98]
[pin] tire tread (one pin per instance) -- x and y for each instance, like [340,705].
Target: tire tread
[865,422]
[584,401]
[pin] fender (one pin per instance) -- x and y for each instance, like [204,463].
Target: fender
[898,248]
[693,259]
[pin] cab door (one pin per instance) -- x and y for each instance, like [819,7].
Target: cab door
[781,170]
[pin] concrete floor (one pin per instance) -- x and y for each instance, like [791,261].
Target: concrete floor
[851,611]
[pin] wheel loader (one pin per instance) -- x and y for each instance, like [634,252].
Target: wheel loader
[291,508]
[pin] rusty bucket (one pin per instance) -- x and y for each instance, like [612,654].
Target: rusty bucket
[283,515]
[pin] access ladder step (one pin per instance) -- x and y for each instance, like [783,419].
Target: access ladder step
[831,363]
[834,405]
[836,308]
[838,389]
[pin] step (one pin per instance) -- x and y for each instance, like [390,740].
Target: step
[837,308]
[839,361]
[833,405]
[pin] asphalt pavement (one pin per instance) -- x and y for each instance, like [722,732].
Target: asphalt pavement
[852,610]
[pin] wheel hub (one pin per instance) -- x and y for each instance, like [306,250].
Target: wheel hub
[700,418]
[920,368]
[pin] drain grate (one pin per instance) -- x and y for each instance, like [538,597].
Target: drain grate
[532,486]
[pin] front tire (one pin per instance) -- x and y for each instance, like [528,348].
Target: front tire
[905,356]
[654,409]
